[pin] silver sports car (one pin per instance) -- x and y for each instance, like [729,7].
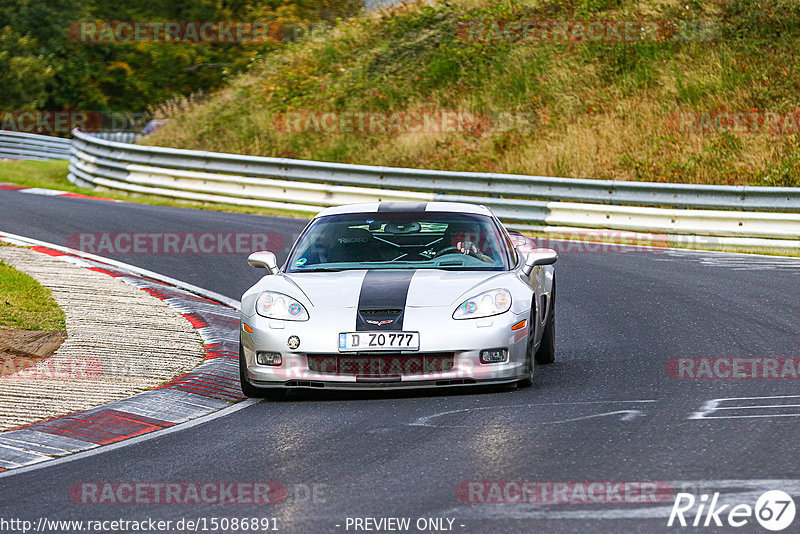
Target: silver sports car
[397,295]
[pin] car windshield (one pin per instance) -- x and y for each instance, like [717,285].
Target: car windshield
[401,240]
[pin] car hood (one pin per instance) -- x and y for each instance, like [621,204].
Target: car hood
[426,287]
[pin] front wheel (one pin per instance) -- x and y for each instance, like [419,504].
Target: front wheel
[547,348]
[249,389]
[528,380]
[529,356]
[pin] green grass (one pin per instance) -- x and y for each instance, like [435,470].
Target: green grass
[591,110]
[53,175]
[25,304]
[45,174]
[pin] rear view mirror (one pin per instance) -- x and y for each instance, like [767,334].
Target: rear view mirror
[265,260]
[539,256]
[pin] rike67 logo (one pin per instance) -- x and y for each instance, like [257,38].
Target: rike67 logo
[774,510]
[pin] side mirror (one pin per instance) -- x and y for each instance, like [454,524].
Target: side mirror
[264,260]
[539,256]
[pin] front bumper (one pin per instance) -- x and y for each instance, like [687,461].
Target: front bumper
[439,335]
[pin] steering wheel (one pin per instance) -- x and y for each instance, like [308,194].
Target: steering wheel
[448,250]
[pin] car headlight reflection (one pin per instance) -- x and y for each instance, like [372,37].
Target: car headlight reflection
[486,304]
[279,306]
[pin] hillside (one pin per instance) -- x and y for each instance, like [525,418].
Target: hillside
[661,107]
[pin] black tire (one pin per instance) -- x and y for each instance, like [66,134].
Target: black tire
[249,389]
[547,348]
[528,380]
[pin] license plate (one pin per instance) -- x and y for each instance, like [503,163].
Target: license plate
[367,341]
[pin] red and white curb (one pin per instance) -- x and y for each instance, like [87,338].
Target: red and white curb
[50,192]
[210,387]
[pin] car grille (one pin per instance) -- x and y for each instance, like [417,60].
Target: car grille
[381,365]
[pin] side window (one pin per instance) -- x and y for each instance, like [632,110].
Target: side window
[512,249]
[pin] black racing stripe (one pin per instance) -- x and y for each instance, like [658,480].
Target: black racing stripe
[383,295]
[402,206]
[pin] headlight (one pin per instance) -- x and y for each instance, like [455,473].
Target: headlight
[280,306]
[487,303]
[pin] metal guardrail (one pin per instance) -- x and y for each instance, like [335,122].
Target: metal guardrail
[467,183]
[20,145]
[120,137]
[310,185]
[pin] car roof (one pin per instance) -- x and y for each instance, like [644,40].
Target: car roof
[410,207]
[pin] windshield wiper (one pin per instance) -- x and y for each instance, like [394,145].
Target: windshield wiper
[319,270]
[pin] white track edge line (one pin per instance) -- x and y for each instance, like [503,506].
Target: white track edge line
[131,441]
[658,248]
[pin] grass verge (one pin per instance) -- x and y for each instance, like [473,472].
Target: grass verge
[53,175]
[25,304]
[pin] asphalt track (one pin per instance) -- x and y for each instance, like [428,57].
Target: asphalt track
[605,411]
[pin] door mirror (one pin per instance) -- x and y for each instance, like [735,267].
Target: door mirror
[264,260]
[539,256]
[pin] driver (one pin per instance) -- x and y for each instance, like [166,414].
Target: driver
[463,237]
